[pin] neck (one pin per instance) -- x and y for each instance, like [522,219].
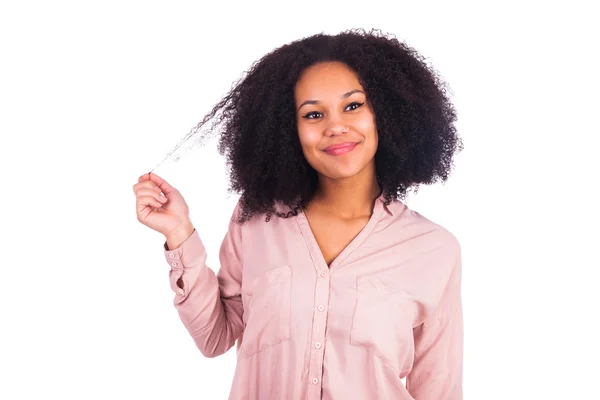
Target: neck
[350,197]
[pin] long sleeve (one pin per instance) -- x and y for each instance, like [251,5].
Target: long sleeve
[209,305]
[438,365]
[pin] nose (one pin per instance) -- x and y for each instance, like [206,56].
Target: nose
[336,126]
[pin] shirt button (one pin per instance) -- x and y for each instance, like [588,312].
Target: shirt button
[171,255]
[321,308]
[323,274]
[315,381]
[318,345]
[174,263]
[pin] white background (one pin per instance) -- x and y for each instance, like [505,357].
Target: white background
[94,94]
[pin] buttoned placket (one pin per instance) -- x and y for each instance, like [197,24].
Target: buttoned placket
[315,369]
[323,271]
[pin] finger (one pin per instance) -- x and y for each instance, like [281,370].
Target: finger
[147,201]
[145,185]
[152,192]
[144,177]
[162,184]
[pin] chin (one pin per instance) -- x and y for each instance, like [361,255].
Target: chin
[342,172]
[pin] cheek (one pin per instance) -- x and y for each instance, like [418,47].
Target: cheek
[367,125]
[369,130]
[309,138]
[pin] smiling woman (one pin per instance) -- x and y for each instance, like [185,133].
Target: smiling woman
[347,291]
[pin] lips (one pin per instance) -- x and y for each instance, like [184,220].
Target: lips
[340,148]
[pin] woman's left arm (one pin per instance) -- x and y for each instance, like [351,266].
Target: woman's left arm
[438,365]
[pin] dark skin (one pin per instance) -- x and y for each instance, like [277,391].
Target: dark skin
[333,109]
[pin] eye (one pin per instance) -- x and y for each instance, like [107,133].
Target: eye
[311,115]
[315,114]
[354,105]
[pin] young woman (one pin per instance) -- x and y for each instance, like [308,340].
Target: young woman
[332,287]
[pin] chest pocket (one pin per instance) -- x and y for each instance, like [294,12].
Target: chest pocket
[382,322]
[267,312]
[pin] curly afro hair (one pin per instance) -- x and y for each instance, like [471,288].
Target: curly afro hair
[259,137]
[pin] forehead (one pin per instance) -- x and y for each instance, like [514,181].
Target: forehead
[326,79]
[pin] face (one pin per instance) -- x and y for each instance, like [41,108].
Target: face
[336,124]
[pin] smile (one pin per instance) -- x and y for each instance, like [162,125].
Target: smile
[339,149]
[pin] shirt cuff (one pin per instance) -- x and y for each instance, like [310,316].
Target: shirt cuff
[191,253]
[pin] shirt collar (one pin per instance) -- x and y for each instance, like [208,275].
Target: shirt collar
[388,208]
[380,201]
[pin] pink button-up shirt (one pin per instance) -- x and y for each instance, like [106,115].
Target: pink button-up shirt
[388,307]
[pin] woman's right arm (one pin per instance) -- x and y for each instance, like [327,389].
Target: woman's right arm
[208,304]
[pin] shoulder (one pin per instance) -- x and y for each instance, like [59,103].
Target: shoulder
[445,245]
[445,235]
[411,223]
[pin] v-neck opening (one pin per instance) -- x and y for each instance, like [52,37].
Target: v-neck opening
[315,251]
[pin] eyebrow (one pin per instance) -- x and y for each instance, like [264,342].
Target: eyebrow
[345,95]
